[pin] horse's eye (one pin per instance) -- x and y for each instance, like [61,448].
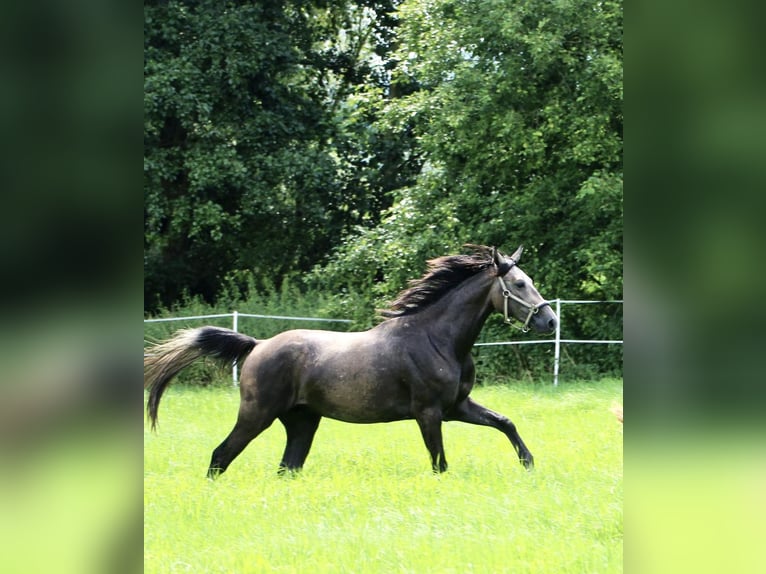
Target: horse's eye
[519,284]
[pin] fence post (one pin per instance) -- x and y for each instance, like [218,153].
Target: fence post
[557,345]
[234,365]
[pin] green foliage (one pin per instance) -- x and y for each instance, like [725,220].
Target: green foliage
[339,145]
[517,118]
[255,299]
[245,153]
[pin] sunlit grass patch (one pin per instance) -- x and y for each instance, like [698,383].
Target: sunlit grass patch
[367,500]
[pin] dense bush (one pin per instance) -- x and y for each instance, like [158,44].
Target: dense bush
[495,364]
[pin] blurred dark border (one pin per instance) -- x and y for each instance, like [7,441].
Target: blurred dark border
[71,121]
[694,234]
[696,119]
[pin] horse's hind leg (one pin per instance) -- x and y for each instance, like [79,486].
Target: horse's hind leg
[249,425]
[472,412]
[301,424]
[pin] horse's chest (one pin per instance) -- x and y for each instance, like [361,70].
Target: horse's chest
[443,386]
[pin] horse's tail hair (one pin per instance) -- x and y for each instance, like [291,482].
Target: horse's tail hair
[165,360]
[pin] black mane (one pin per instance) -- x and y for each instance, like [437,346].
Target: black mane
[442,275]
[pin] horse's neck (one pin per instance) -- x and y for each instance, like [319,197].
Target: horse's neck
[460,315]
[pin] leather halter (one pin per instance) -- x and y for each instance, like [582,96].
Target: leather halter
[533,309]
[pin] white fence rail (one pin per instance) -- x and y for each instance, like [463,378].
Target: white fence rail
[235,315]
[557,341]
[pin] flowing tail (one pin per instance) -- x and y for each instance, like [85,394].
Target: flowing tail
[165,360]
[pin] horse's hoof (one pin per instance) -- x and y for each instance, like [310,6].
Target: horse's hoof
[528,462]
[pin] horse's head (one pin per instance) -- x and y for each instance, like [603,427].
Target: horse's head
[514,294]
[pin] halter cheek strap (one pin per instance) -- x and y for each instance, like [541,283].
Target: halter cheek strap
[533,309]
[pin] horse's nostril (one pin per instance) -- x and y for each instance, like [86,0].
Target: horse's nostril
[551,324]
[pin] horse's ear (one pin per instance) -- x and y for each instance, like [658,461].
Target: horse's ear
[517,254]
[500,262]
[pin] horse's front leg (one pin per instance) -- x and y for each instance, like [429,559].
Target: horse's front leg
[469,411]
[430,423]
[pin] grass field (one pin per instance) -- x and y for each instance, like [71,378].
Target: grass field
[367,500]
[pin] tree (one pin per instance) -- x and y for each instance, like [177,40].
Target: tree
[518,118]
[355,140]
[245,162]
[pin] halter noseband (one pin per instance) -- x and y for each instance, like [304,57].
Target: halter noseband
[533,309]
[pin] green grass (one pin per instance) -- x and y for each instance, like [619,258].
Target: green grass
[367,500]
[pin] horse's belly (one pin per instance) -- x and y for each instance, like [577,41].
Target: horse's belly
[357,401]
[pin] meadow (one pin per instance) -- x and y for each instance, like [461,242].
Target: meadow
[367,501]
